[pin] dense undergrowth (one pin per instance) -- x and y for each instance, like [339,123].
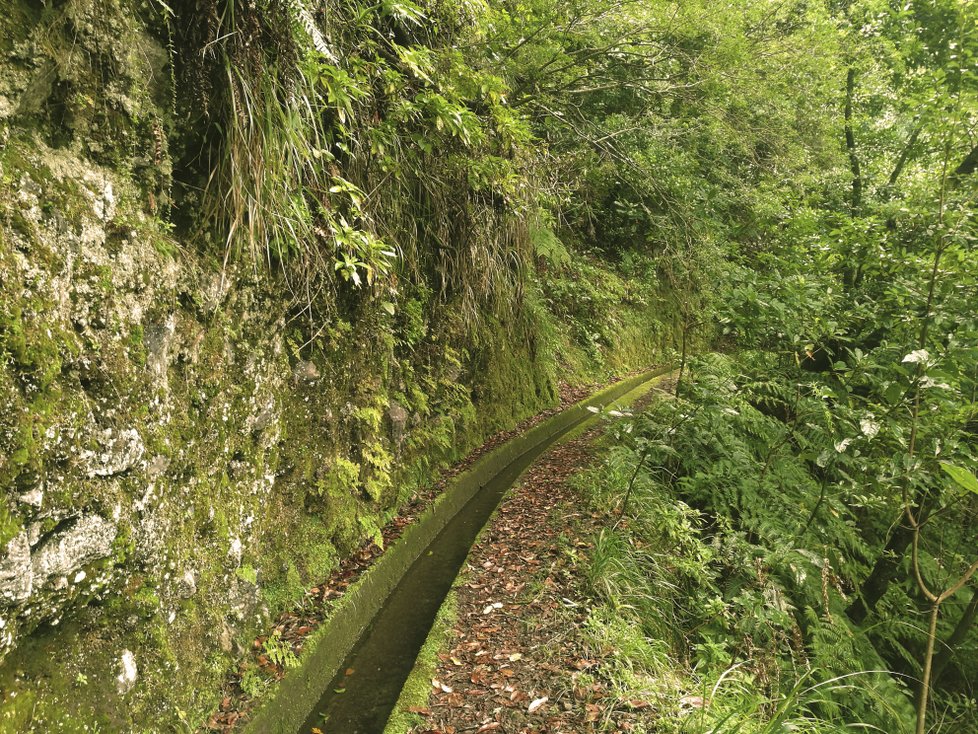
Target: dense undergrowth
[729,579]
[796,545]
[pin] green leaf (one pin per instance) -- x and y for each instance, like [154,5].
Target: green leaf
[894,393]
[961,476]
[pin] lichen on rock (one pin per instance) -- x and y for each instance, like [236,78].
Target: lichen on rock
[16,573]
[65,551]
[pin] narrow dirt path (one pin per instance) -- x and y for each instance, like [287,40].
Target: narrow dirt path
[517,661]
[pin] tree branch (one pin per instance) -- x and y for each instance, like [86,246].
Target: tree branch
[857,180]
[956,637]
[904,155]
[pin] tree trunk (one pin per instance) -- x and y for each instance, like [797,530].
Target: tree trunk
[884,571]
[904,156]
[944,657]
[856,201]
[924,694]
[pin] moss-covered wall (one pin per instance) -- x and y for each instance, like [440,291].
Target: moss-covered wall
[182,449]
[188,465]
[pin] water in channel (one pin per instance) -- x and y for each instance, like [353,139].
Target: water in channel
[379,664]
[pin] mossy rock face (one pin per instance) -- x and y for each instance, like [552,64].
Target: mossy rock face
[161,428]
[86,74]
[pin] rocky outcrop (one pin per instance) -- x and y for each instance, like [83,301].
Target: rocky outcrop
[52,561]
[168,433]
[63,554]
[16,572]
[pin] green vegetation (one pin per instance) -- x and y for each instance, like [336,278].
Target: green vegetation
[795,537]
[284,250]
[267,266]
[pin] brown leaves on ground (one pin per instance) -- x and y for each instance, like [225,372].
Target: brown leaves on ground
[517,663]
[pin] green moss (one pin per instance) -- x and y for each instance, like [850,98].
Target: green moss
[17,713]
[247,573]
[340,476]
[285,590]
[379,463]
[321,557]
[44,673]
[34,350]
[10,524]
[136,343]
[146,601]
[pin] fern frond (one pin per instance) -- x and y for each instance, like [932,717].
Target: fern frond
[304,18]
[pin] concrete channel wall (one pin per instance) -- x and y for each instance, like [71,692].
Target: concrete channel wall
[302,687]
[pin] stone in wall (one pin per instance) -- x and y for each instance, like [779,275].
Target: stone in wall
[63,554]
[27,570]
[117,453]
[16,575]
